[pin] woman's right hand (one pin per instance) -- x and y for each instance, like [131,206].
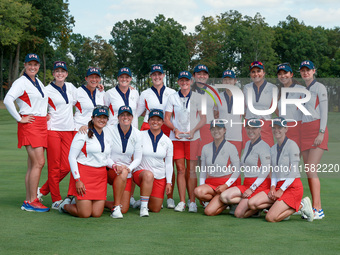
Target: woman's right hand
[27,119]
[80,187]
[83,130]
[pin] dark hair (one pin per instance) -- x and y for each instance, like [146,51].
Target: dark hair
[90,127]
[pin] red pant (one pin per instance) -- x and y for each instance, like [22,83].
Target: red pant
[58,148]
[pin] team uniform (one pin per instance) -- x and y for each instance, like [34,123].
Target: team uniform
[285,175]
[60,134]
[311,124]
[262,100]
[293,113]
[185,117]
[85,105]
[88,159]
[150,99]
[205,134]
[32,99]
[234,128]
[124,148]
[115,98]
[157,158]
[255,163]
[218,164]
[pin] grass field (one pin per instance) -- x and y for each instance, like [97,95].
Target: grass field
[166,232]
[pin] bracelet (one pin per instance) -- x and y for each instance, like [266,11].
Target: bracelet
[77,180]
[174,129]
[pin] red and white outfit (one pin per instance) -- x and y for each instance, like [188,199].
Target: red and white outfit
[311,124]
[157,158]
[234,128]
[115,98]
[126,147]
[293,113]
[285,175]
[150,99]
[85,105]
[32,100]
[60,134]
[218,165]
[262,99]
[88,159]
[255,164]
[185,117]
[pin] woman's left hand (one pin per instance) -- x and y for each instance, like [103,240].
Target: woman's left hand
[247,193]
[168,188]
[80,187]
[318,140]
[221,188]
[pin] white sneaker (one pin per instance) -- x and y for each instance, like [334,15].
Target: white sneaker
[116,212]
[137,204]
[232,209]
[73,200]
[287,218]
[297,213]
[144,212]
[188,202]
[193,207]
[307,209]
[180,207]
[56,205]
[132,201]
[66,201]
[205,204]
[170,203]
[318,215]
[40,195]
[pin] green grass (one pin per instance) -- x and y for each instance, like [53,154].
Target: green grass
[166,232]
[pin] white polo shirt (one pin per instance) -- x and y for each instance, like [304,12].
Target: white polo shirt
[157,155]
[292,112]
[60,106]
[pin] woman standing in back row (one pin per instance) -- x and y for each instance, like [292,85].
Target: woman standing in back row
[314,138]
[29,94]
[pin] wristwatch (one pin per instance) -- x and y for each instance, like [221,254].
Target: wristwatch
[322,131]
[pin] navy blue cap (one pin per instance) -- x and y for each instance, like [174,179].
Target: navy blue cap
[125,108]
[307,63]
[253,122]
[217,123]
[284,67]
[100,110]
[184,74]
[156,68]
[125,70]
[93,70]
[280,121]
[156,112]
[32,57]
[200,68]
[229,73]
[60,64]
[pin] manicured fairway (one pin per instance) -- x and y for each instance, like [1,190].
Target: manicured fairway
[167,232]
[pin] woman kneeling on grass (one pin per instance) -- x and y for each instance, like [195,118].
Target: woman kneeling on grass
[286,191]
[219,159]
[89,156]
[154,174]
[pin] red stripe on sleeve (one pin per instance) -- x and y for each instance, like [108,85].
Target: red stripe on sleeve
[50,102]
[317,102]
[79,107]
[146,105]
[83,150]
[111,109]
[259,162]
[229,162]
[26,98]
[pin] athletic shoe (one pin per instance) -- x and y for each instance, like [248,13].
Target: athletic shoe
[318,215]
[297,213]
[188,202]
[193,207]
[170,203]
[66,201]
[137,204]
[180,207]
[205,204]
[56,205]
[116,212]
[73,200]
[287,218]
[38,207]
[132,201]
[232,209]
[144,212]
[307,209]
[39,194]
[26,206]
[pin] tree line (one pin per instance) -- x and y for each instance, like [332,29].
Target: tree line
[229,40]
